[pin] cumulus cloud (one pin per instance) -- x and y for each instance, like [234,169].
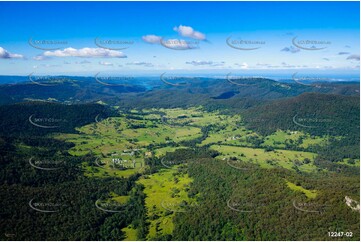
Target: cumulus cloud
[141,63]
[104,63]
[205,63]
[4,54]
[152,39]
[291,49]
[177,44]
[86,53]
[187,31]
[354,57]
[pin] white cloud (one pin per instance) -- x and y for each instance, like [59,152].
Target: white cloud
[86,52]
[187,31]
[104,63]
[4,54]
[152,39]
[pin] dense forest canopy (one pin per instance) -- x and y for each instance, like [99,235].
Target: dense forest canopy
[205,161]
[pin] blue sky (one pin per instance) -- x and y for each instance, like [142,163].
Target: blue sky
[180,37]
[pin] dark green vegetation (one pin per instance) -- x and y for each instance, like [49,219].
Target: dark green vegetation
[333,115]
[67,193]
[40,118]
[261,207]
[215,161]
[67,89]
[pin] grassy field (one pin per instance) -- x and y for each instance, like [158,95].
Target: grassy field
[115,138]
[346,161]
[162,151]
[121,144]
[281,138]
[284,158]
[130,233]
[309,193]
[123,141]
[166,193]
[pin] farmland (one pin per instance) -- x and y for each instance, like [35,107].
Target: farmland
[121,145]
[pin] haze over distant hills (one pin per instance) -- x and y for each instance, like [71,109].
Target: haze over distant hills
[72,89]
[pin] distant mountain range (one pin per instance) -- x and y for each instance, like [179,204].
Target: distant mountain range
[161,92]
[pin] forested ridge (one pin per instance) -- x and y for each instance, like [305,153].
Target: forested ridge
[314,113]
[232,198]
